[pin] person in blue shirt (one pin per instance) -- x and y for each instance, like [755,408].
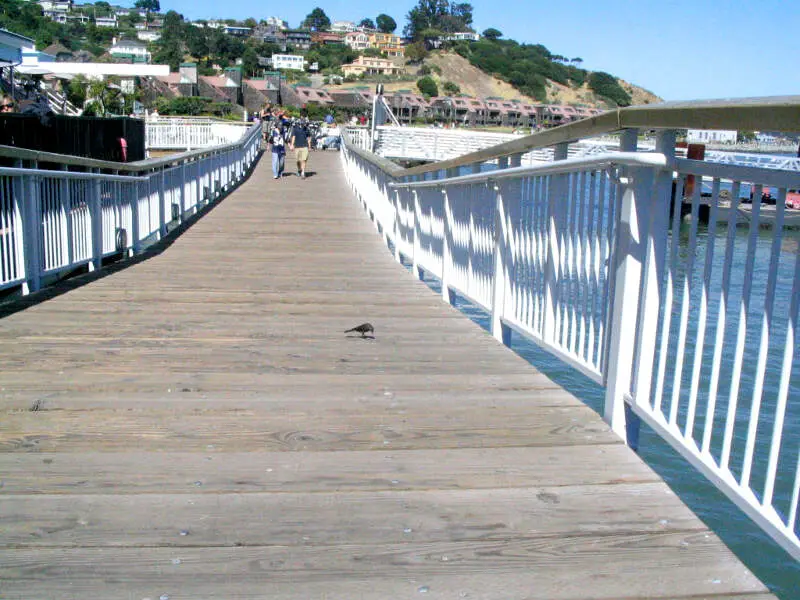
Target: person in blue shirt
[277,142]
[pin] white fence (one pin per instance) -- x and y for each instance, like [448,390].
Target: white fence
[691,327]
[53,221]
[173,133]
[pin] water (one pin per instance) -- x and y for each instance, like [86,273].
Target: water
[764,557]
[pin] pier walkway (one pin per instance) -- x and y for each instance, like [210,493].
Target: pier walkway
[197,425]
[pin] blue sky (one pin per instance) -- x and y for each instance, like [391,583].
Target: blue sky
[677,49]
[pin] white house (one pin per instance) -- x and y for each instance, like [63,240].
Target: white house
[148,35]
[106,21]
[277,22]
[357,40]
[717,136]
[288,61]
[133,49]
[63,6]
[346,26]
[469,36]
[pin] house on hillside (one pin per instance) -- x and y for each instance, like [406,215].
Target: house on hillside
[371,66]
[289,61]
[130,50]
[59,51]
[357,40]
[298,38]
[388,43]
[110,21]
[327,38]
[148,35]
[277,22]
[236,31]
[343,26]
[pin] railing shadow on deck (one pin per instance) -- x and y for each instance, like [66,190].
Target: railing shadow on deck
[590,259]
[102,261]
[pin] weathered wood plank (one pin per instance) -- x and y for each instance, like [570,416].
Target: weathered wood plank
[343,518]
[162,431]
[563,567]
[142,472]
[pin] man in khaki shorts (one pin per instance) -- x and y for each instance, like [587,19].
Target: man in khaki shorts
[300,142]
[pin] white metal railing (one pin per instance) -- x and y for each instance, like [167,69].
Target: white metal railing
[692,328]
[170,133]
[53,221]
[434,144]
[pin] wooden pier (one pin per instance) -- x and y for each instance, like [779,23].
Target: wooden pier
[197,425]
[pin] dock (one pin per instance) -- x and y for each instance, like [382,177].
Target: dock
[198,425]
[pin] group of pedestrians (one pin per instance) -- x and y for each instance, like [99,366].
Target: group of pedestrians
[281,134]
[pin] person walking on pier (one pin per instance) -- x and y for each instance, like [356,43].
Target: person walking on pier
[300,142]
[277,142]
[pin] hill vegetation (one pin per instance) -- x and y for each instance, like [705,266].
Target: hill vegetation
[531,70]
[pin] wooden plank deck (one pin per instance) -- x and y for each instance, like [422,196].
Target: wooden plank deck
[198,426]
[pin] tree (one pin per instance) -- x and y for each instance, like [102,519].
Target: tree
[317,20]
[440,15]
[576,61]
[367,23]
[250,64]
[427,86]
[148,5]
[492,34]
[607,86]
[251,23]
[385,23]
[416,52]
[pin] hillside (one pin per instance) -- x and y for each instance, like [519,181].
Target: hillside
[474,82]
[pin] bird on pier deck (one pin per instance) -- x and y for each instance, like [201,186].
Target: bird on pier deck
[363,329]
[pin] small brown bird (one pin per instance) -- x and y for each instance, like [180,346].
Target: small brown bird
[363,329]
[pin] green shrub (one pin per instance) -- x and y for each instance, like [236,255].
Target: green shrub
[450,88]
[606,85]
[427,86]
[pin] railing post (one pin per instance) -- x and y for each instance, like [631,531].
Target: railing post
[28,206]
[655,265]
[626,274]
[66,207]
[448,295]
[415,255]
[397,255]
[184,183]
[501,332]
[96,211]
[555,207]
[162,209]
[136,241]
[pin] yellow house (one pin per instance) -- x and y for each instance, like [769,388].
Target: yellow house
[371,66]
[389,43]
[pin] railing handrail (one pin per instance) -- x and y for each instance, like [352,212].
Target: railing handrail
[778,113]
[630,159]
[131,167]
